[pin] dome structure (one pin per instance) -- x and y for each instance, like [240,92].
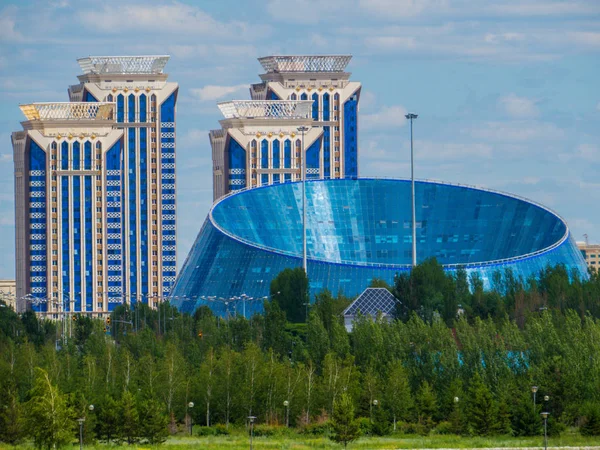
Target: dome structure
[360,229]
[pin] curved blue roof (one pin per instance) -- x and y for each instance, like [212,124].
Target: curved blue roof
[361,229]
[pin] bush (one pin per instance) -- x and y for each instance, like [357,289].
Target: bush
[317,429]
[411,428]
[365,426]
[443,428]
[205,431]
[217,430]
[591,419]
[270,430]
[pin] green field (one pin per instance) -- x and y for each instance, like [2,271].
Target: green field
[239,440]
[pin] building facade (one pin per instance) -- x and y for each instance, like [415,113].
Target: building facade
[8,292]
[331,143]
[358,230]
[95,190]
[591,253]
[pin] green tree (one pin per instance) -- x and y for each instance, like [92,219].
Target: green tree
[482,410]
[345,427]
[591,419]
[50,422]
[11,414]
[153,422]
[107,426]
[397,392]
[426,404]
[317,338]
[128,419]
[290,290]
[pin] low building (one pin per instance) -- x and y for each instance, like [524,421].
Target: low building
[372,302]
[591,253]
[8,290]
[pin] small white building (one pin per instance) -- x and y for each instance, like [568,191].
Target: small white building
[370,303]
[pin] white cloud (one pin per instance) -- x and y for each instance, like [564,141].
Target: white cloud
[193,138]
[403,8]
[175,17]
[293,10]
[214,92]
[7,25]
[387,117]
[519,107]
[586,38]
[515,131]
[588,152]
[542,8]
[391,42]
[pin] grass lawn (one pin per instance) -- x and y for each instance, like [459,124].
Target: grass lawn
[238,440]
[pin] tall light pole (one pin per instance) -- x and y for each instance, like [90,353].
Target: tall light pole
[545,417]
[411,117]
[302,129]
[534,389]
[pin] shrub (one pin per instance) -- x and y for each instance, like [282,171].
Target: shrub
[270,430]
[364,425]
[411,428]
[591,419]
[221,430]
[317,429]
[443,428]
[205,431]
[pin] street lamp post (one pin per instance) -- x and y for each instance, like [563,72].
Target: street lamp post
[81,432]
[375,403]
[534,389]
[411,117]
[251,419]
[303,129]
[190,406]
[545,417]
[287,412]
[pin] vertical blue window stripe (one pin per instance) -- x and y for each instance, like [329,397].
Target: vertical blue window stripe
[276,164]
[304,97]
[66,267]
[264,154]
[315,106]
[287,154]
[350,138]
[132,196]
[326,106]
[144,208]
[131,108]
[114,194]
[89,256]
[87,165]
[326,152]
[143,108]
[312,158]
[64,155]
[120,108]
[37,161]
[75,293]
[76,155]
[237,165]
[264,179]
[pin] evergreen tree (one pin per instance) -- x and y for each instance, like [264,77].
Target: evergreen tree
[482,410]
[525,420]
[345,427]
[128,419]
[50,422]
[153,422]
[591,419]
[107,425]
[426,406]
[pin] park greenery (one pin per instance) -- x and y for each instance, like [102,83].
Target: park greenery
[456,359]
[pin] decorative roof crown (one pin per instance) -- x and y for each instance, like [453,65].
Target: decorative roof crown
[69,111]
[307,63]
[273,109]
[123,64]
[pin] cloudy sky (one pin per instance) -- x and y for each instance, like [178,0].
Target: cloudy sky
[507,91]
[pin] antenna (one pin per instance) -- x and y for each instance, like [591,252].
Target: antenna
[585,236]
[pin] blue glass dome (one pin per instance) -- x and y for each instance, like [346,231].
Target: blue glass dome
[358,230]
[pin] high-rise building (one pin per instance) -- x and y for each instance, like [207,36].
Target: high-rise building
[252,152]
[95,190]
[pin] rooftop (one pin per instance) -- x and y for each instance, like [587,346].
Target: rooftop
[123,64]
[371,302]
[69,111]
[273,109]
[305,63]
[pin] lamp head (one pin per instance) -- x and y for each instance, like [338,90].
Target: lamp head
[286,403]
[534,389]
[190,404]
[411,116]
[544,415]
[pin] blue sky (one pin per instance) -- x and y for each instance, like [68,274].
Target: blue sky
[507,91]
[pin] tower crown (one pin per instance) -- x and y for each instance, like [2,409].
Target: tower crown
[121,65]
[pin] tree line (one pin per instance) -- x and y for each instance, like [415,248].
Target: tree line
[454,359]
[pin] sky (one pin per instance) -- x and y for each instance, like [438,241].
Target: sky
[507,91]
